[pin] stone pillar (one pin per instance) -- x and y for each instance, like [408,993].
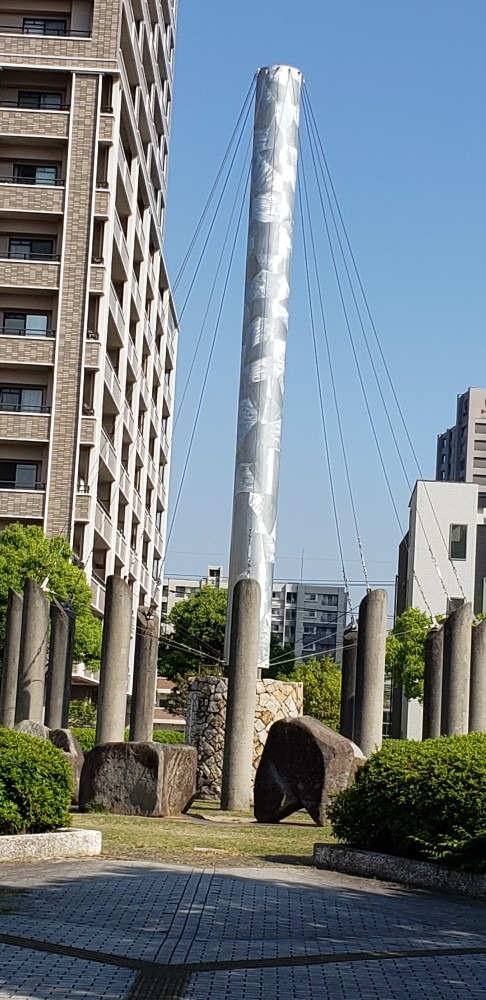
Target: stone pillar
[434,652]
[477,696]
[33,654]
[240,713]
[370,672]
[144,676]
[115,651]
[456,670]
[11,651]
[348,684]
[59,672]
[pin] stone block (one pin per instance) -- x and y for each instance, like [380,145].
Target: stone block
[139,779]
[302,765]
[65,740]
[33,729]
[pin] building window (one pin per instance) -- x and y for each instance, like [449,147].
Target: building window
[457,541]
[330,599]
[21,324]
[312,614]
[18,475]
[30,249]
[44,26]
[40,100]
[311,597]
[19,399]
[32,173]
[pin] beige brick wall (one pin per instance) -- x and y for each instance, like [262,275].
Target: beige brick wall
[34,123]
[35,274]
[97,278]
[83,507]
[73,51]
[24,426]
[107,124]
[24,351]
[70,340]
[15,503]
[102,203]
[92,356]
[17,198]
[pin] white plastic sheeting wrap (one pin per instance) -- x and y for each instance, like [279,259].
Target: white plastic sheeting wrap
[265,323]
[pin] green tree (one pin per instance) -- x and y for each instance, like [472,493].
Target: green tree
[322,689]
[282,658]
[26,552]
[196,640]
[405,651]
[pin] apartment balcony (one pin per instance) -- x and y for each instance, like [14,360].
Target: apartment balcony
[124,173]
[133,356]
[159,369]
[129,421]
[144,390]
[16,502]
[134,564]
[31,198]
[139,228]
[158,541]
[102,203]
[145,579]
[97,277]
[88,430]
[137,506]
[125,482]
[24,122]
[162,493]
[170,347]
[98,590]
[168,396]
[113,385]
[151,276]
[164,444]
[82,509]
[151,470]
[117,314]
[121,245]
[22,273]
[108,453]
[121,547]
[136,296]
[104,524]
[24,426]
[142,447]
[92,357]
[25,350]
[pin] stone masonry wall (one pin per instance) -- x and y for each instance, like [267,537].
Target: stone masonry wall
[205,721]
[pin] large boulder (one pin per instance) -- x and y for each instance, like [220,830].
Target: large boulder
[65,740]
[33,729]
[139,779]
[303,764]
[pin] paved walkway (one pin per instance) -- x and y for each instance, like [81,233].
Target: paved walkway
[137,931]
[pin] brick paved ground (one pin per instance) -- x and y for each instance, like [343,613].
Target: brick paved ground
[109,930]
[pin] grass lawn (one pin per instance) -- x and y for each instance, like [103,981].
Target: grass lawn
[207,837]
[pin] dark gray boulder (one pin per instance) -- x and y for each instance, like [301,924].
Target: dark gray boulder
[302,765]
[139,779]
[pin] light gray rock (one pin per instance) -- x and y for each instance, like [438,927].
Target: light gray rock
[46,846]
[33,729]
[139,779]
[65,740]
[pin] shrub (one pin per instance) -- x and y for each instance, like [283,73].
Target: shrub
[86,737]
[419,800]
[82,712]
[35,784]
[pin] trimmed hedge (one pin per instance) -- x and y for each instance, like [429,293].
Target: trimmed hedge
[86,737]
[419,800]
[35,785]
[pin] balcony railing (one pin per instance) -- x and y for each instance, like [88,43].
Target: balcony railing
[48,32]
[7,331]
[32,181]
[12,255]
[6,485]
[25,107]
[23,408]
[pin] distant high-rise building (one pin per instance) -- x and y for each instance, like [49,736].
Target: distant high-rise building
[87,323]
[461,450]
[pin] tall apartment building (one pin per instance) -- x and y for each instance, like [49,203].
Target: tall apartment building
[177,588]
[461,450]
[88,328]
[310,617]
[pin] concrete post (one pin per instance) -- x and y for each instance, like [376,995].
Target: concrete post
[370,672]
[240,712]
[11,651]
[59,671]
[115,651]
[348,684]
[33,654]
[456,670]
[144,676]
[434,652]
[477,696]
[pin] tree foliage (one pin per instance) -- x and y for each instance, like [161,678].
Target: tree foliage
[197,636]
[322,689]
[405,651]
[26,552]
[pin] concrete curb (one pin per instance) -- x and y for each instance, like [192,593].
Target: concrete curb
[417,874]
[62,843]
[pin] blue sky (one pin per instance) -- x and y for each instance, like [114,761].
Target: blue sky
[398,94]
